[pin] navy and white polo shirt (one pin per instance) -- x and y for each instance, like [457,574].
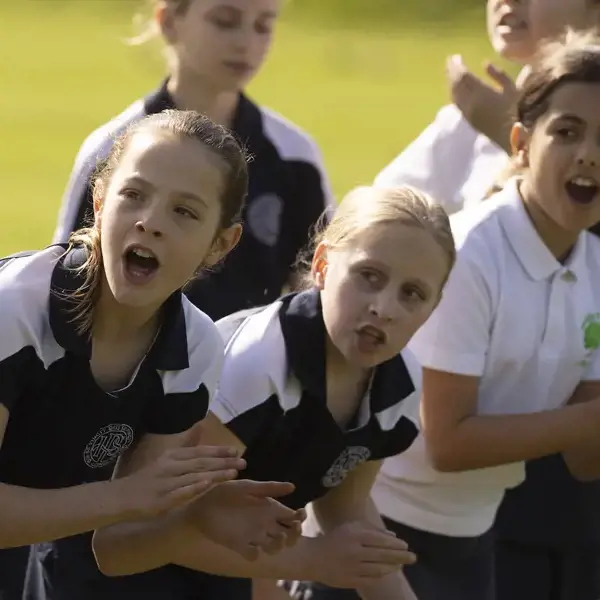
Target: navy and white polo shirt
[272,396]
[288,193]
[63,429]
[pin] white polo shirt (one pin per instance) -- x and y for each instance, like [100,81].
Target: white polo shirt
[450,160]
[527,325]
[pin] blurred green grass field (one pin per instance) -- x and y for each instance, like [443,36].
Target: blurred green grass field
[65,69]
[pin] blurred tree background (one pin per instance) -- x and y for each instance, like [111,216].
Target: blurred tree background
[362,76]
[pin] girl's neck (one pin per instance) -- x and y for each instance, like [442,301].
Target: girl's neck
[114,322]
[189,92]
[558,240]
[339,368]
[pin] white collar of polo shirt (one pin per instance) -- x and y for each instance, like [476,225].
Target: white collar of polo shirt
[534,255]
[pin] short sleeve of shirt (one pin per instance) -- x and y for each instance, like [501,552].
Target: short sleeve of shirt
[246,400]
[592,372]
[456,337]
[188,392]
[18,357]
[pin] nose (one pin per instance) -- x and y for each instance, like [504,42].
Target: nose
[587,161]
[150,222]
[385,306]
[589,153]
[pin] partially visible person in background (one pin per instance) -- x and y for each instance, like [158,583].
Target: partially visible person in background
[456,158]
[214,49]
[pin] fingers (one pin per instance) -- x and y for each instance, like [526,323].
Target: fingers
[500,77]
[266,489]
[189,452]
[390,557]
[384,540]
[173,468]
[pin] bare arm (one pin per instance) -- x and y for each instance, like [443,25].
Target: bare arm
[351,501]
[583,459]
[458,439]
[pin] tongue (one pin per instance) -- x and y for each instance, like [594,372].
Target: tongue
[583,194]
[140,266]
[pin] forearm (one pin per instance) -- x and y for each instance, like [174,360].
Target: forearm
[29,516]
[488,441]
[393,586]
[130,548]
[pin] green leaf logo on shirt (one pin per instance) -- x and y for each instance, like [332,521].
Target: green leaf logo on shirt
[591,332]
[591,336]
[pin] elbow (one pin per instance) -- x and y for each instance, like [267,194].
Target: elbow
[581,469]
[444,458]
[108,561]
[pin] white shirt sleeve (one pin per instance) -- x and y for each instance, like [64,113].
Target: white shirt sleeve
[592,371]
[456,337]
[245,383]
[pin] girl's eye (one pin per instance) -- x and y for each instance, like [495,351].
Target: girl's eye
[565,133]
[414,294]
[131,194]
[186,212]
[371,277]
[264,28]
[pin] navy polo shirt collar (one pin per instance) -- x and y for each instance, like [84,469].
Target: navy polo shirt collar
[170,349]
[301,321]
[247,120]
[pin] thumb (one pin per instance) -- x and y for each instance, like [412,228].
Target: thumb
[500,77]
[193,436]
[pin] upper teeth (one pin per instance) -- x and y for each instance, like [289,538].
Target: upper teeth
[142,253]
[584,181]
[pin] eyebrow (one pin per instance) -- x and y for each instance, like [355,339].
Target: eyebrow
[569,117]
[269,14]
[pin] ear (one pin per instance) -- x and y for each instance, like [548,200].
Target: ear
[224,243]
[519,144]
[164,18]
[98,200]
[319,265]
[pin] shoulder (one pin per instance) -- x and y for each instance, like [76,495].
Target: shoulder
[25,278]
[290,140]
[98,144]
[25,283]
[257,333]
[205,344]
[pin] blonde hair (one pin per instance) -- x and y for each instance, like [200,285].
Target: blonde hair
[366,207]
[573,57]
[146,25]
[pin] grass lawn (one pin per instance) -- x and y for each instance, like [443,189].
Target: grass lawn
[65,70]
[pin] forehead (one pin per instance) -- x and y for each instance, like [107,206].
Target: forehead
[578,99]
[406,250]
[254,6]
[550,17]
[170,162]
